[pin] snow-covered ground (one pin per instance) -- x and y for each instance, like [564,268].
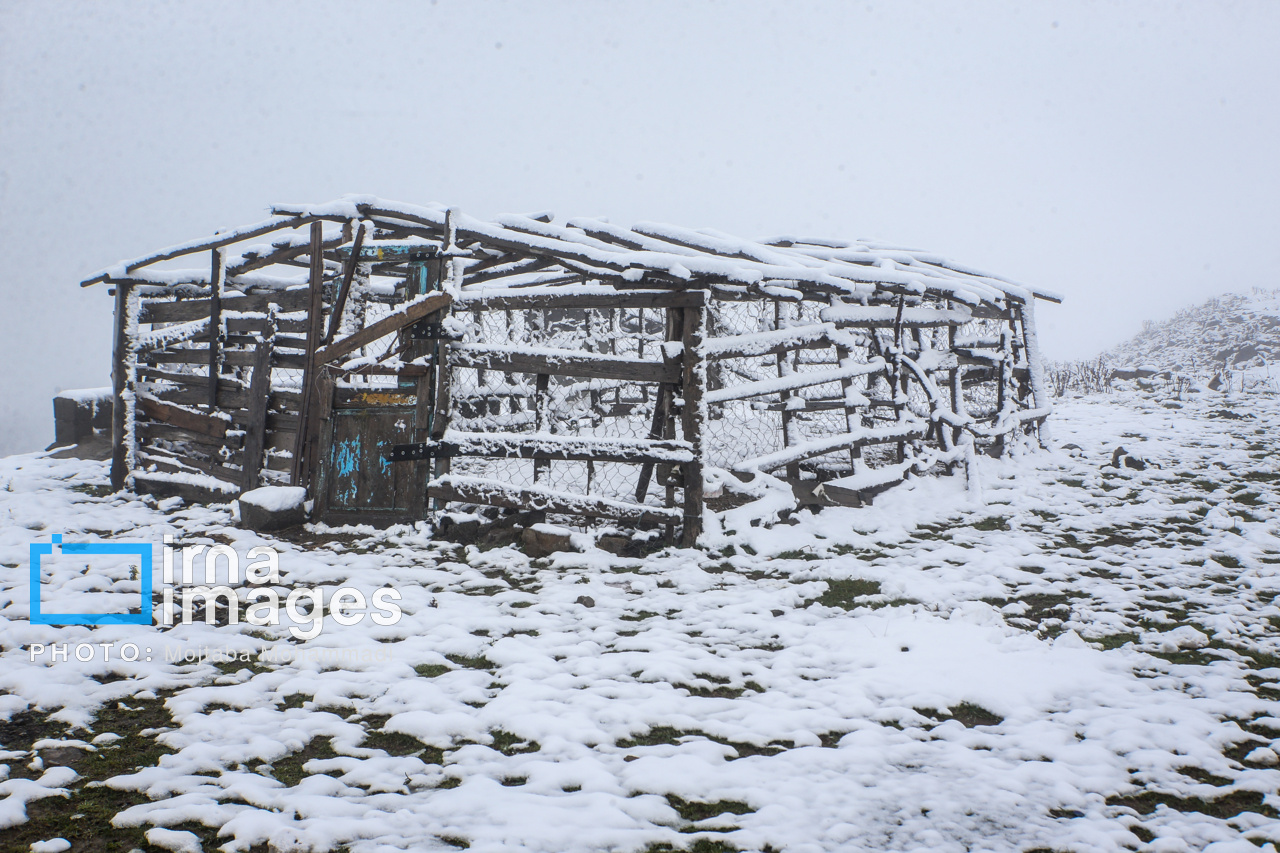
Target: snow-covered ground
[1084,659]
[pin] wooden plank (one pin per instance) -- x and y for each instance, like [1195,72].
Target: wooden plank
[186,465]
[225,383]
[217,268]
[693,417]
[167,486]
[184,310]
[795,381]
[421,473]
[561,363]
[233,358]
[411,313]
[217,241]
[545,446]
[505,299]
[166,432]
[119,385]
[179,417]
[353,261]
[477,491]
[258,325]
[304,463]
[259,395]
[862,437]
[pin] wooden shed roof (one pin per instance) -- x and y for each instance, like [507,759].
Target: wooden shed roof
[646,254]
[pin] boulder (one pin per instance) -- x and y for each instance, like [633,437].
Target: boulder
[543,540]
[273,508]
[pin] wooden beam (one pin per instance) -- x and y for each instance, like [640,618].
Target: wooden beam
[183,310]
[408,314]
[259,397]
[538,298]
[335,317]
[560,448]
[302,461]
[216,271]
[215,242]
[119,384]
[185,418]
[693,417]
[511,359]
[478,491]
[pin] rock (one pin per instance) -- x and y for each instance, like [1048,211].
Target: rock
[273,508]
[543,540]
[586,601]
[1121,458]
[613,544]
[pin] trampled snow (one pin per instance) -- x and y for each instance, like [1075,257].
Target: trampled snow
[1083,660]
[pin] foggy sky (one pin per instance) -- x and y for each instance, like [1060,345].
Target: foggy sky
[1123,154]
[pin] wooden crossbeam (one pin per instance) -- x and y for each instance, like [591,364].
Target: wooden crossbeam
[408,314]
[544,447]
[479,491]
[562,363]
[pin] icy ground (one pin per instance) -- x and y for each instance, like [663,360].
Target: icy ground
[1086,661]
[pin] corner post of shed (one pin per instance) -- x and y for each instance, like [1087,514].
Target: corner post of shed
[308,416]
[121,403]
[693,413]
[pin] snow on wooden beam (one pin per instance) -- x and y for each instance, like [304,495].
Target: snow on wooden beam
[584,296]
[830,444]
[794,381]
[545,446]
[560,362]
[768,343]
[225,238]
[405,315]
[478,490]
[886,316]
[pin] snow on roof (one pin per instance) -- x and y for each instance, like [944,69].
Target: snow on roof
[595,249]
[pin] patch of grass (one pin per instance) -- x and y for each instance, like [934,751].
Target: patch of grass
[1114,641]
[288,770]
[844,593]
[694,811]
[432,670]
[93,491]
[994,522]
[666,735]
[455,841]
[966,714]
[1228,805]
[475,662]
[637,617]
[84,817]
[512,744]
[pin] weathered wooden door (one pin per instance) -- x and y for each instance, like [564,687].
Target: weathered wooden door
[357,485]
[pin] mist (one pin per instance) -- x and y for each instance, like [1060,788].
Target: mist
[1120,154]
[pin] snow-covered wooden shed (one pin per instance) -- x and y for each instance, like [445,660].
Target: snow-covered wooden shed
[396,359]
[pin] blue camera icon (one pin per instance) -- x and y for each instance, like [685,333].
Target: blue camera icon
[141,551]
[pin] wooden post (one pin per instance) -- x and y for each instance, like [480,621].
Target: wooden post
[335,317]
[851,420]
[793,469]
[541,419]
[693,416]
[120,382]
[303,464]
[421,432]
[259,394]
[216,273]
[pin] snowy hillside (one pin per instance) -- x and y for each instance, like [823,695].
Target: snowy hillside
[1087,658]
[1232,332]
